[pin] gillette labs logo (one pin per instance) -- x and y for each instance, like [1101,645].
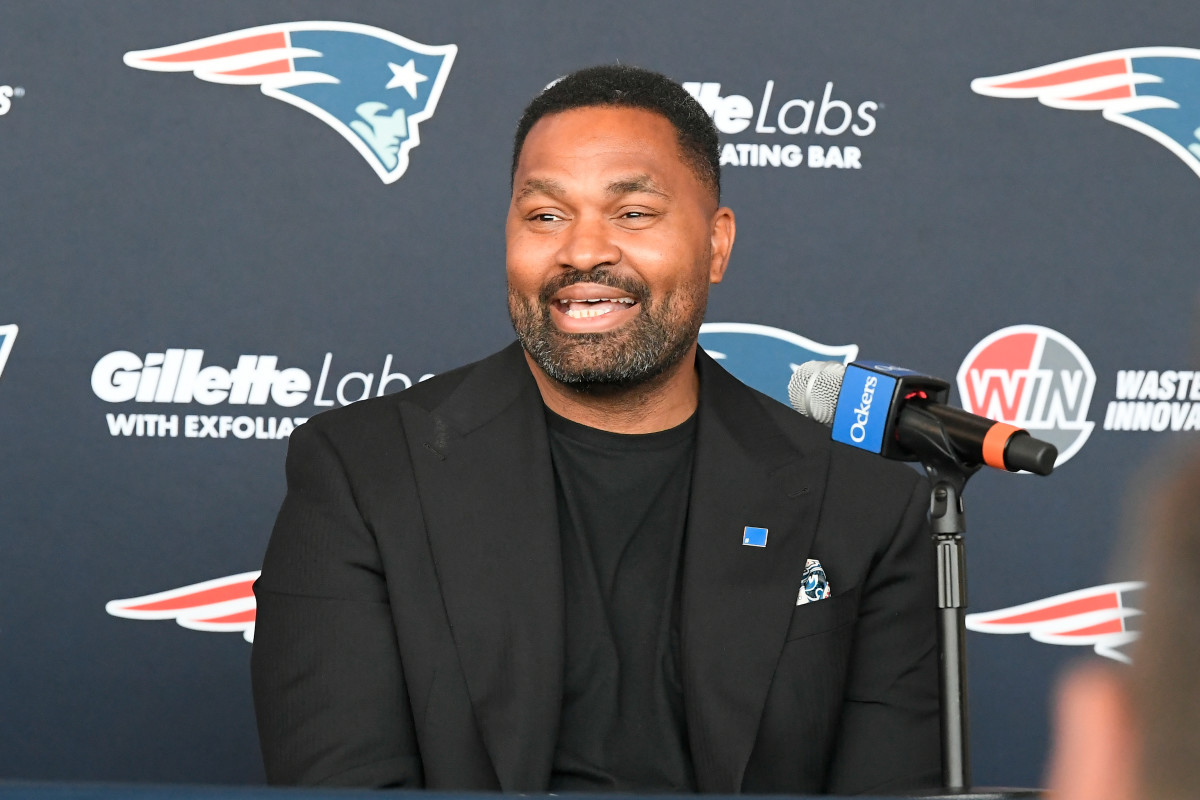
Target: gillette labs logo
[799,116]
[180,376]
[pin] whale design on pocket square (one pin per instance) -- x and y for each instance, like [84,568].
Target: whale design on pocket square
[814,585]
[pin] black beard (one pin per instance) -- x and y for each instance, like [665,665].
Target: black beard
[611,361]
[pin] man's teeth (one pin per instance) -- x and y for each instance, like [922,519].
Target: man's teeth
[584,313]
[577,309]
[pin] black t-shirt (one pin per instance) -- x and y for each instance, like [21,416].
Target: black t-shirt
[622,509]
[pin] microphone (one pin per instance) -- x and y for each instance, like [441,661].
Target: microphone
[901,414]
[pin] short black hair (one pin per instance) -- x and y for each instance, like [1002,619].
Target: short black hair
[623,86]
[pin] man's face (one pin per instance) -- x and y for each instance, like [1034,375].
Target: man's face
[612,243]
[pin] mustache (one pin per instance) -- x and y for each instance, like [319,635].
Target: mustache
[601,276]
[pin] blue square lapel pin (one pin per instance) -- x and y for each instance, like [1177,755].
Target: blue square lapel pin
[754,537]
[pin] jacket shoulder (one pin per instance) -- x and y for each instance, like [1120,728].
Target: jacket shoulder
[812,437]
[371,416]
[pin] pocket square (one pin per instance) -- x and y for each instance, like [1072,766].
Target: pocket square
[814,585]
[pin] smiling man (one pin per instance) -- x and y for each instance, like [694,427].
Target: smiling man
[595,561]
[613,239]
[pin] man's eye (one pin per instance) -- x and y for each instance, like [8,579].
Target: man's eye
[544,217]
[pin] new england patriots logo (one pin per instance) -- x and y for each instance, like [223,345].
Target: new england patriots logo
[764,357]
[370,85]
[8,335]
[1153,90]
[223,605]
[1102,616]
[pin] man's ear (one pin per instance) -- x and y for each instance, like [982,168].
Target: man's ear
[723,231]
[1096,751]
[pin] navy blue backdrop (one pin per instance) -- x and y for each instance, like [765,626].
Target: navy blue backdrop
[204,241]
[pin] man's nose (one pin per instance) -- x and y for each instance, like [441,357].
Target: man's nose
[588,243]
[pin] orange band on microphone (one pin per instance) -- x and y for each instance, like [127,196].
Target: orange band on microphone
[994,443]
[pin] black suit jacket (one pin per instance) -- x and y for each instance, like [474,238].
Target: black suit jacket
[410,609]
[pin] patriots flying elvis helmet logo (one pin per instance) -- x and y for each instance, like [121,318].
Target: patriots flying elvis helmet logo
[370,85]
[764,357]
[1103,617]
[222,605]
[8,335]
[1153,90]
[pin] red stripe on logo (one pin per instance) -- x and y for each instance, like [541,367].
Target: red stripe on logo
[1112,626]
[1116,93]
[273,68]
[1098,70]
[1069,609]
[218,594]
[240,617]
[235,47]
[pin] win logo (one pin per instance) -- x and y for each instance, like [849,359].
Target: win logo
[1034,378]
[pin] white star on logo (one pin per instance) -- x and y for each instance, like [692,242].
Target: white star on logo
[406,76]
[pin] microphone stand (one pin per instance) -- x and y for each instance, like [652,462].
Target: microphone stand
[925,435]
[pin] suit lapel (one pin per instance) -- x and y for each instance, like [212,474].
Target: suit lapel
[737,599]
[486,485]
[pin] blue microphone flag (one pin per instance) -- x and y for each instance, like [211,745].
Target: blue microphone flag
[864,413]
